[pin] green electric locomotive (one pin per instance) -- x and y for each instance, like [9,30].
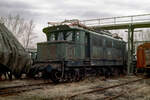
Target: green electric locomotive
[72,51]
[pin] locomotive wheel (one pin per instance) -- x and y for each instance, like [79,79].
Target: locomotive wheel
[116,72]
[55,76]
[71,75]
[82,74]
[17,76]
[107,72]
[77,76]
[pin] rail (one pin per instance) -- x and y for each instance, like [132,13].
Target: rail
[117,20]
[106,88]
[13,90]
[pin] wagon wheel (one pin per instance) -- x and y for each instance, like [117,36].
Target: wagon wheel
[55,76]
[17,76]
[32,73]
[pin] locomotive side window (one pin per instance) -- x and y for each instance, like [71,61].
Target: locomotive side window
[112,44]
[94,41]
[109,43]
[100,42]
[97,41]
[117,45]
[104,42]
[86,38]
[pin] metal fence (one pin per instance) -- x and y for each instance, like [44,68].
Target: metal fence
[117,20]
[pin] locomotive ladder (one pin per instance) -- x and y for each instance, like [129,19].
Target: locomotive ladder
[122,22]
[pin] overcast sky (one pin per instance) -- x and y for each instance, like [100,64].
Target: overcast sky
[42,11]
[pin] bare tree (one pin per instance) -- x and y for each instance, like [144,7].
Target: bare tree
[30,35]
[22,29]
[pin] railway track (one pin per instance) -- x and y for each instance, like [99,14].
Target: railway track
[106,88]
[119,95]
[13,90]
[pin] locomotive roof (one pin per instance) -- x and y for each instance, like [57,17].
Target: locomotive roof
[51,29]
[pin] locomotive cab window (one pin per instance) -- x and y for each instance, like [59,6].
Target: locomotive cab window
[64,36]
[77,36]
[69,36]
[60,36]
[52,37]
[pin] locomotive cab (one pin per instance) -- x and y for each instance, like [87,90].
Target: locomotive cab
[61,45]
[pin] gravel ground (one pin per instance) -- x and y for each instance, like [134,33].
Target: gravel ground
[62,91]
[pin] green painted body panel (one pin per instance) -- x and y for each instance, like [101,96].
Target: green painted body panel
[97,52]
[59,51]
[51,51]
[107,48]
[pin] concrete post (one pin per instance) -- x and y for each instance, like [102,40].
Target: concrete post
[132,49]
[129,50]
